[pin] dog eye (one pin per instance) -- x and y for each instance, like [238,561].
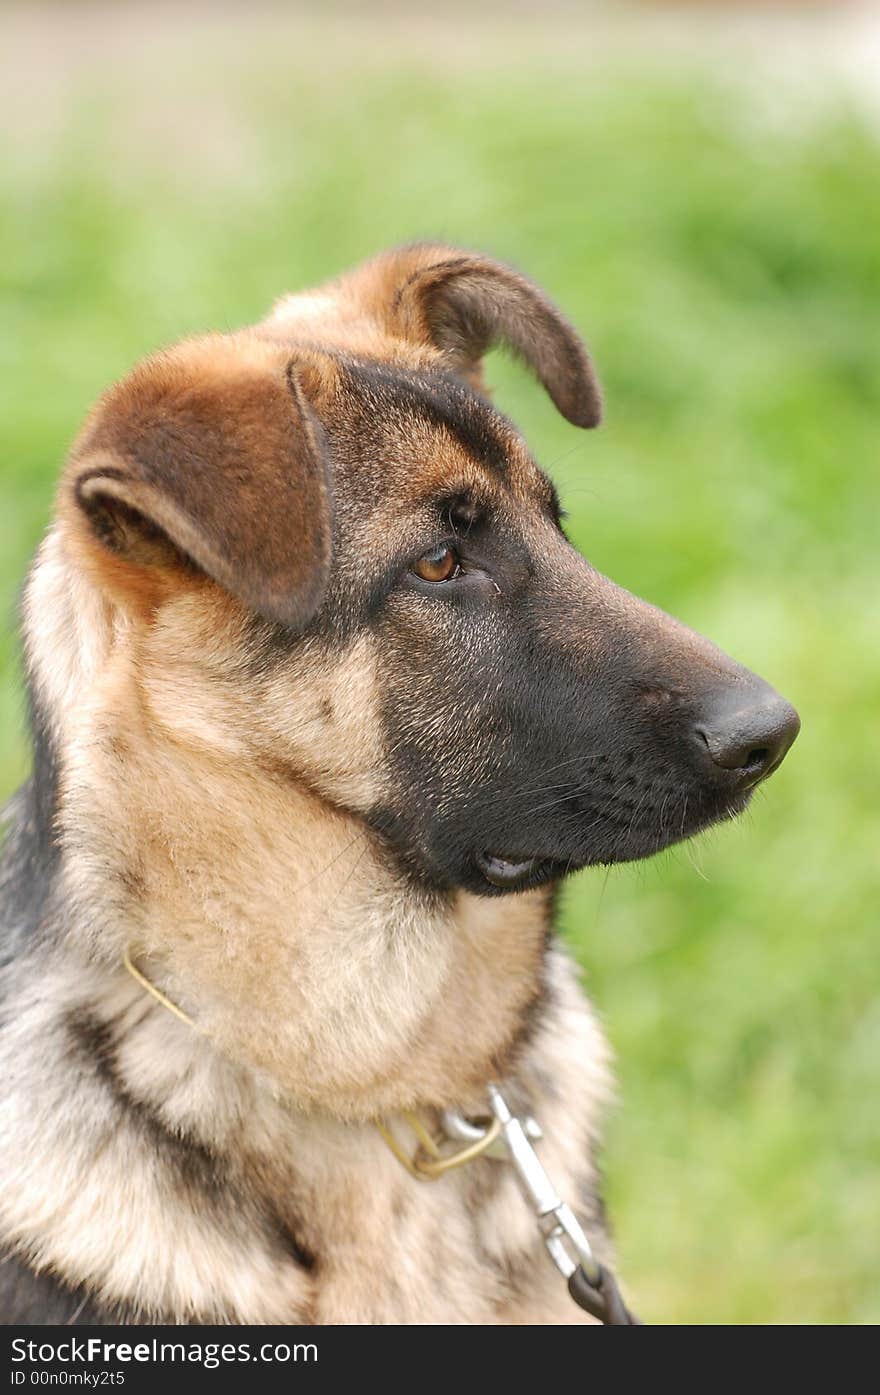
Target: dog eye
[441,564]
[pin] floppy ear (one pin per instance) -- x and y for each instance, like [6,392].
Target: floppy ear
[209,457]
[464,304]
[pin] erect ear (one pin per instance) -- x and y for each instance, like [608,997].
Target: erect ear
[209,457]
[465,304]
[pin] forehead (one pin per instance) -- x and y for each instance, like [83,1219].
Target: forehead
[421,434]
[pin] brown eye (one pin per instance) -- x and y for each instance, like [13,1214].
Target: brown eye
[440,565]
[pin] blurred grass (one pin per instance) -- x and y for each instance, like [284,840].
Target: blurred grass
[727,273]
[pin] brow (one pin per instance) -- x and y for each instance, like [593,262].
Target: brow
[439,400]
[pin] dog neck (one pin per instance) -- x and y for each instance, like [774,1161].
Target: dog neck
[287,935]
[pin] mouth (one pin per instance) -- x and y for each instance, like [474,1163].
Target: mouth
[518,873]
[500,872]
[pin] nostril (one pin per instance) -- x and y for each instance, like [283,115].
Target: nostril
[733,754]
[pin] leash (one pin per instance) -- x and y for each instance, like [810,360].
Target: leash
[506,1138]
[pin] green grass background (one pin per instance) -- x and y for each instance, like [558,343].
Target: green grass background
[725,267]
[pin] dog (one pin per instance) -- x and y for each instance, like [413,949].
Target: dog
[324,707]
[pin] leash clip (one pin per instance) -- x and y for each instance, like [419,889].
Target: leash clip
[558,1224]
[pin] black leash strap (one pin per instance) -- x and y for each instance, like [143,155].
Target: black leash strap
[602,1299]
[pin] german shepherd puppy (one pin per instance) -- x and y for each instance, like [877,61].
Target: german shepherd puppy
[324,706]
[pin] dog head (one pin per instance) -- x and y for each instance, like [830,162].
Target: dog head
[347,565]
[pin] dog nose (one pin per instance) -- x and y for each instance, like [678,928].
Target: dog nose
[750,737]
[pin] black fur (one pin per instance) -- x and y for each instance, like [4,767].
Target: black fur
[41,1299]
[30,854]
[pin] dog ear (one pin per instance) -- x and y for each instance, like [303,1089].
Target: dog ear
[464,304]
[210,458]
